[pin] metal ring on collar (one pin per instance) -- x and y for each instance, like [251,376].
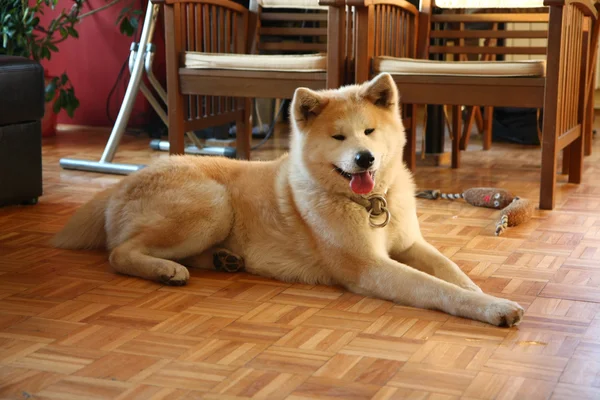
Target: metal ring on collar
[384,223]
[377,204]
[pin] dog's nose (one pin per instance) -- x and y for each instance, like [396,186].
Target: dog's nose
[364,159]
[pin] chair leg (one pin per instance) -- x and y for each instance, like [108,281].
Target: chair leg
[175,106]
[487,127]
[456,128]
[176,120]
[446,119]
[566,160]
[464,140]
[588,126]
[410,150]
[548,173]
[576,160]
[243,128]
[479,120]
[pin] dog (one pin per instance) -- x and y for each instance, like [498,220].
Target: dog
[338,209]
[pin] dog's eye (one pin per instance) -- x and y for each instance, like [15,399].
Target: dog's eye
[339,137]
[369,131]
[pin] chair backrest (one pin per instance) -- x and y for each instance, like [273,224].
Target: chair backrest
[395,28]
[289,26]
[574,25]
[382,28]
[211,26]
[303,26]
[484,33]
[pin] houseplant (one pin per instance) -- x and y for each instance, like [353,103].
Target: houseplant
[21,34]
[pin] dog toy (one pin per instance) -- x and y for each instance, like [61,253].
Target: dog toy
[478,197]
[515,210]
[516,213]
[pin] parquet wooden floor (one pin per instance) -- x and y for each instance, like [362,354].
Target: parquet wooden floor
[71,328]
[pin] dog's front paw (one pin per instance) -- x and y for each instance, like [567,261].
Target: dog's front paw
[177,277]
[504,313]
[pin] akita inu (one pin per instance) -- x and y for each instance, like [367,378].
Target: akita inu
[340,209]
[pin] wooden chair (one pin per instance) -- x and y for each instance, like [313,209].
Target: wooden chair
[214,68]
[558,86]
[454,34]
[457,43]
[526,39]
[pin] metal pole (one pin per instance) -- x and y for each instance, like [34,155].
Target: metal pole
[150,74]
[140,61]
[133,86]
[105,164]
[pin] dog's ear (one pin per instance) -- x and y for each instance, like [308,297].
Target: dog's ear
[307,104]
[381,91]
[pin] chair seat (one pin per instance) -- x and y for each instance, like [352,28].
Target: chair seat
[410,66]
[505,4]
[252,62]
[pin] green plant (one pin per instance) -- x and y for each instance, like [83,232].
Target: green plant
[22,35]
[129,18]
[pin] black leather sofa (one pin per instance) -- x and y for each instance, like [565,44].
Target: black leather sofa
[21,111]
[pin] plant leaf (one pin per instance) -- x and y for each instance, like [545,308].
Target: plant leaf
[73,32]
[51,90]
[126,28]
[56,106]
[134,23]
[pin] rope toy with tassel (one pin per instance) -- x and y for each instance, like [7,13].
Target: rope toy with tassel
[515,210]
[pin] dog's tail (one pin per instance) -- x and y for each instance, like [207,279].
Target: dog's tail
[85,229]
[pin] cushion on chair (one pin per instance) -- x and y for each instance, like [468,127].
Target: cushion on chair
[409,66]
[312,4]
[284,63]
[489,4]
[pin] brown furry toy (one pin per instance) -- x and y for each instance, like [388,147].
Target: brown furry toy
[518,212]
[515,210]
[478,197]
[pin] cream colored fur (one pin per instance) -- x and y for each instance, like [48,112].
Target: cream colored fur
[294,218]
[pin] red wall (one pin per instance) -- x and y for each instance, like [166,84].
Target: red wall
[93,62]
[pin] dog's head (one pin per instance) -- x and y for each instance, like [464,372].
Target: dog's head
[350,137]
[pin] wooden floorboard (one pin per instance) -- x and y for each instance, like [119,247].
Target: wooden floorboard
[71,328]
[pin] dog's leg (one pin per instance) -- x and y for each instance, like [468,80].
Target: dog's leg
[200,261]
[387,279]
[186,231]
[425,257]
[132,259]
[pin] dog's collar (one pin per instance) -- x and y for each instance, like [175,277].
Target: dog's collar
[376,205]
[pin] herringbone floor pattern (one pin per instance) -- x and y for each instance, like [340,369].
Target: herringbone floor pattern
[70,328]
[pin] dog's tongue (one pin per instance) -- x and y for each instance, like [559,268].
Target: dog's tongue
[362,183]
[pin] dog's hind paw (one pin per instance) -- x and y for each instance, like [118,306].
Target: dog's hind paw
[224,260]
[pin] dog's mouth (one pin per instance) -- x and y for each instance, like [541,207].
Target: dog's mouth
[361,182]
[343,173]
